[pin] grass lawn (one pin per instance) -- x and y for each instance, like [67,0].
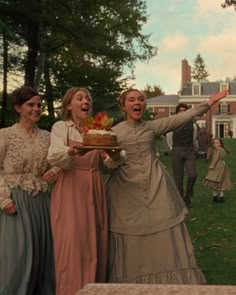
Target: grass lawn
[212,226]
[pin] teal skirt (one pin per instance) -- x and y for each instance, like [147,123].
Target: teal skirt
[26,247]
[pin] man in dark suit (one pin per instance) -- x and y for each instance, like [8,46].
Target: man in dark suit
[183,145]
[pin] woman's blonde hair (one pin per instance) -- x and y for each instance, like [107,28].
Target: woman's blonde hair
[123,95]
[68,98]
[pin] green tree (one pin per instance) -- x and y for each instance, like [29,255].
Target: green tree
[199,72]
[228,3]
[68,43]
[153,90]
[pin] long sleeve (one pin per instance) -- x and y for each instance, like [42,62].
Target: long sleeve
[164,125]
[4,190]
[22,161]
[58,149]
[215,158]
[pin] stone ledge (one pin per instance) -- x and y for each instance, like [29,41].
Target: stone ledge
[144,289]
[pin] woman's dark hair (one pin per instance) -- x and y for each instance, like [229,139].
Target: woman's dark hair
[22,94]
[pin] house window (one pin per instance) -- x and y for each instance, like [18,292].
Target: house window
[224,108]
[224,86]
[172,111]
[150,109]
[222,129]
[196,89]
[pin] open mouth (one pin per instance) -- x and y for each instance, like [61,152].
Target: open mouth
[137,109]
[85,109]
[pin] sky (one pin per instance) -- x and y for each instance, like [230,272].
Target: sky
[182,29]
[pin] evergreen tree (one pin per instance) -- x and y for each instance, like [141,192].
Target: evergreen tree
[199,72]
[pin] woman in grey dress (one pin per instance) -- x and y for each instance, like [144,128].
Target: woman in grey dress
[26,250]
[148,239]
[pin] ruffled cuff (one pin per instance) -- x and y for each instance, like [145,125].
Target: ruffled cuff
[5,202]
[55,170]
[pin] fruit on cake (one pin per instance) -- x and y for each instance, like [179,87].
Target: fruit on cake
[96,131]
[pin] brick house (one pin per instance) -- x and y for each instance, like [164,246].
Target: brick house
[218,120]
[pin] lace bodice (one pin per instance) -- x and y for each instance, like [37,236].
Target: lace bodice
[22,160]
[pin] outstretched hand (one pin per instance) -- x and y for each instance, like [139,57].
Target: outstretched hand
[216,96]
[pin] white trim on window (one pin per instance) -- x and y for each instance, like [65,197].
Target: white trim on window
[224,86]
[224,108]
[196,89]
[172,111]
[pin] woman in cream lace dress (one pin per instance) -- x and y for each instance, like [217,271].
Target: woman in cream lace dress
[26,251]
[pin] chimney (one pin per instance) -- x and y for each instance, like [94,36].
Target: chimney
[186,72]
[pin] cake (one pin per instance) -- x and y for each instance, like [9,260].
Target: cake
[97,131]
[97,137]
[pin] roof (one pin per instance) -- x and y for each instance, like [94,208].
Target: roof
[207,88]
[170,99]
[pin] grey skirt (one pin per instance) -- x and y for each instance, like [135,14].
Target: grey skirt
[165,257]
[26,248]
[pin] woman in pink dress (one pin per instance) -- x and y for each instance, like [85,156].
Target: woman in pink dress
[78,208]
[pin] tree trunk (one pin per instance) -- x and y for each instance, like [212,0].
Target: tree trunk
[32,54]
[49,94]
[40,69]
[4,92]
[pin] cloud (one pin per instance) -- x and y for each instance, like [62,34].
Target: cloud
[163,72]
[206,7]
[212,13]
[219,51]
[221,43]
[173,43]
[202,26]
